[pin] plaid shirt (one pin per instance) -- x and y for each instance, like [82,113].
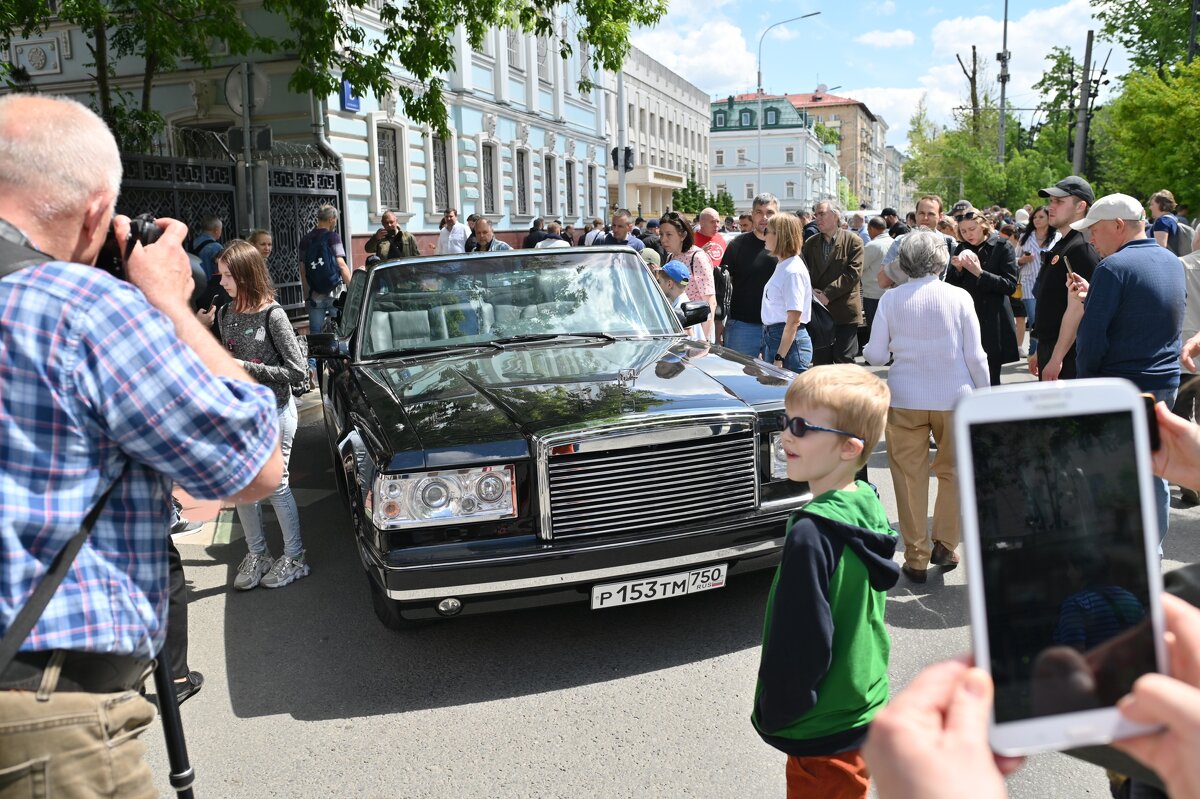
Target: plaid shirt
[93,381]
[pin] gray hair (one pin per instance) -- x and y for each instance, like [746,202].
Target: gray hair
[833,206]
[327,213]
[923,252]
[622,212]
[766,198]
[56,154]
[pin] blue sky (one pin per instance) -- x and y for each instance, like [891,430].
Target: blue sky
[886,53]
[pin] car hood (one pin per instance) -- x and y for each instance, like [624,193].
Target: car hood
[463,406]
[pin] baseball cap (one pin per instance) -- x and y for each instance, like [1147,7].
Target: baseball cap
[652,224]
[651,257]
[1073,186]
[888,212]
[677,271]
[960,206]
[1111,206]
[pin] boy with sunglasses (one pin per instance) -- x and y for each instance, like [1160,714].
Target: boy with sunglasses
[823,673]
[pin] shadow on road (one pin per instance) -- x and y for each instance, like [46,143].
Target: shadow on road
[932,606]
[315,650]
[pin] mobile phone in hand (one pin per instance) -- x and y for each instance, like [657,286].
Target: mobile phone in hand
[1060,536]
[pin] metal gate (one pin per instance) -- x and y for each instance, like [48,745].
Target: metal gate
[300,180]
[191,174]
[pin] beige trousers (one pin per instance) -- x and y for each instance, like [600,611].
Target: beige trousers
[908,455]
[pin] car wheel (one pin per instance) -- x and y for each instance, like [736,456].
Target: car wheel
[388,610]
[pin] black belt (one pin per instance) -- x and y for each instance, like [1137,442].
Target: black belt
[82,672]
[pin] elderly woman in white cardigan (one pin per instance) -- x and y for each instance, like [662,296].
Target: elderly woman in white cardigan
[930,331]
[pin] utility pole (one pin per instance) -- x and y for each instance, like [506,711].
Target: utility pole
[1192,36]
[1002,57]
[973,80]
[621,122]
[1081,123]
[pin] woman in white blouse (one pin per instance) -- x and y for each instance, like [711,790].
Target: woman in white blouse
[1038,238]
[931,332]
[787,298]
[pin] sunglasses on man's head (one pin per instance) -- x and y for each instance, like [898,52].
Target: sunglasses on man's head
[799,426]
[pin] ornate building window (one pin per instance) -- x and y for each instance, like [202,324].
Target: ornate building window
[550,184]
[570,168]
[388,165]
[441,176]
[591,190]
[522,181]
[488,163]
[516,50]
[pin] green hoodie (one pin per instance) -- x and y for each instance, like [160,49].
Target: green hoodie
[823,673]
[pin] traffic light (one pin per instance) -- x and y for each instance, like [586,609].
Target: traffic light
[628,159]
[616,158]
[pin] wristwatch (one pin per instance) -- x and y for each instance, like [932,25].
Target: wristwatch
[778,357]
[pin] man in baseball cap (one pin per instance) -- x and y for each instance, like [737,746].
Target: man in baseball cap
[1072,186]
[1133,309]
[1057,320]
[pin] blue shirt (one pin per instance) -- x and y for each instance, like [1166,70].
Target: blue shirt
[1132,317]
[95,385]
[1169,225]
[206,248]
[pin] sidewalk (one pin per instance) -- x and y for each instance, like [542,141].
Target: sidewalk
[218,520]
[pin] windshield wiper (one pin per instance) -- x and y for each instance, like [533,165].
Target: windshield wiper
[528,338]
[413,351]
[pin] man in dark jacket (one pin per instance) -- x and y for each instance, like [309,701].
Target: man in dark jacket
[536,234]
[1057,322]
[835,263]
[392,241]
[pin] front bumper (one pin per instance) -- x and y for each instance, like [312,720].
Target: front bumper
[546,574]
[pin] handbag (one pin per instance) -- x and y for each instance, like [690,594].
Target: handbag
[303,386]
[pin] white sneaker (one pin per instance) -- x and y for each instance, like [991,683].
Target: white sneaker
[286,570]
[251,570]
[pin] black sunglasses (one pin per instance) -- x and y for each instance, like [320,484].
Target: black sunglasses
[798,426]
[967,215]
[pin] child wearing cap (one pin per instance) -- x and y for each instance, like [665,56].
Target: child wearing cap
[673,279]
[823,670]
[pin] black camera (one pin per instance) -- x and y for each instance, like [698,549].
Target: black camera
[113,254]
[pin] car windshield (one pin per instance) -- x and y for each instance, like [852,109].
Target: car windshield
[480,299]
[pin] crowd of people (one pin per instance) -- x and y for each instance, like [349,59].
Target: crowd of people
[112,391]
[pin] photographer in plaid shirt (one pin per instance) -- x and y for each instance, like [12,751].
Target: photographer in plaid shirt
[102,382]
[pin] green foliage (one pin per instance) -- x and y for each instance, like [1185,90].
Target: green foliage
[846,196]
[826,135]
[692,198]
[329,40]
[1155,32]
[1149,135]
[723,203]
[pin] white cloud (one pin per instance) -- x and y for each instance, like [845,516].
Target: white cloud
[896,38]
[690,54]
[783,33]
[884,8]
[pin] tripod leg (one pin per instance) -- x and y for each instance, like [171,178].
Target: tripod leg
[182,775]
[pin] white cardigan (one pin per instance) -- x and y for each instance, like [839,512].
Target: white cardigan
[931,331]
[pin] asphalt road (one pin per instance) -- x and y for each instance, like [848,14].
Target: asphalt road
[308,695]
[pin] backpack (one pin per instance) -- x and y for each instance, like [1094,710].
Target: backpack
[722,286]
[304,385]
[1185,237]
[198,249]
[320,263]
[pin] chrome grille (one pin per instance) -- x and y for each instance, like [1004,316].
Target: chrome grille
[654,487]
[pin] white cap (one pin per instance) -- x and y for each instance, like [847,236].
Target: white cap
[1021,217]
[1112,206]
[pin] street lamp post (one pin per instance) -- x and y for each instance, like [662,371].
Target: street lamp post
[758,183]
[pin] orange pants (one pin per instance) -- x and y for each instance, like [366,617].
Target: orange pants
[840,776]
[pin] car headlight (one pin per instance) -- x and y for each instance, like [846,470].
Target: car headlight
[446,497]
[778,457]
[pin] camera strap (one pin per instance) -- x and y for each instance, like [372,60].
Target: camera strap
[14,257]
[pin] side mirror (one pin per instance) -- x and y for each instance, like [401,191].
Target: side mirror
[326,346]
[692,313]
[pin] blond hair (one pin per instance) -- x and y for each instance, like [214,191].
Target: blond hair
[789,234]
[858,399]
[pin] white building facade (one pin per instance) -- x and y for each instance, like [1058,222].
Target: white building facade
[666,120]
[796,167]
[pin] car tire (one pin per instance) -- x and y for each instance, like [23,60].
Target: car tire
[388,610]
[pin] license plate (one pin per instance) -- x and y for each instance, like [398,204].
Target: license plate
[664,587]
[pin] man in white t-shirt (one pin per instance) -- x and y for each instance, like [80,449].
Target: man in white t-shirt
[453,236]
[878,244]
[673,280]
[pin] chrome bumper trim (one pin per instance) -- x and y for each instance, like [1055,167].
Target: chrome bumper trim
[590,576]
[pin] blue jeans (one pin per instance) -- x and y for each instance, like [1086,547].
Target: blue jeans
[1162,492]
[744,337]
[1030,305]
[320,310]
[281,499]
[799,357]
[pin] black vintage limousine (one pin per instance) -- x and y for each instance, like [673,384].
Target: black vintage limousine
[519,428]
